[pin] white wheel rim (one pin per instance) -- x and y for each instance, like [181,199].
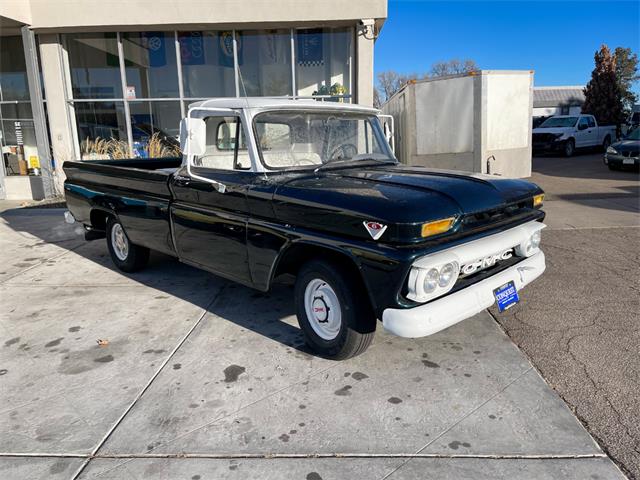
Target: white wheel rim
[119,242]
[323,309]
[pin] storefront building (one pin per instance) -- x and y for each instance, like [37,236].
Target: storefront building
[91,79]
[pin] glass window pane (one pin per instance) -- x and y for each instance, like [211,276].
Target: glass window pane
[155,127]
[323,61]
[207,64]
[150,65]
[17,136]
[221,152]
[264,59]
[306,140]
[13,71]
[94,65]
[102,131]
[17,111]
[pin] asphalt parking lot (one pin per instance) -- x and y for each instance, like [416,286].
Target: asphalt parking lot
[579,323]
[174,373]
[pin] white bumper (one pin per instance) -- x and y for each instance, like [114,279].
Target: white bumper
[442,313]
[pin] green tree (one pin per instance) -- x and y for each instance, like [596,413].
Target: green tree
[603,97]
[627,75]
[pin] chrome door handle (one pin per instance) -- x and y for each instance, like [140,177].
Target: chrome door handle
[181,181]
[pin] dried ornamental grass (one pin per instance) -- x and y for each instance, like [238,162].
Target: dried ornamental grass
[119,149]
[157,149]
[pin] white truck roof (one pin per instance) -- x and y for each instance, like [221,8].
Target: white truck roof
[265,103]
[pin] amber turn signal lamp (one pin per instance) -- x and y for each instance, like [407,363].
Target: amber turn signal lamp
[438,226]
[537,200]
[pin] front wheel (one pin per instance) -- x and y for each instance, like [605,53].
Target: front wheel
[569,148]
[333,311]
[127,256]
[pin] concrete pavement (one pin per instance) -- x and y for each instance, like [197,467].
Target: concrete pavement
[579,324]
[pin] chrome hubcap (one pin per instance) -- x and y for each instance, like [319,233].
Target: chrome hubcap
[323,309]
[119,242]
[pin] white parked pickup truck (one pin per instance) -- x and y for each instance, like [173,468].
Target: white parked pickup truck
[566,133]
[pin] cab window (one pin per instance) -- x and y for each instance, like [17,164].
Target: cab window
[226,147]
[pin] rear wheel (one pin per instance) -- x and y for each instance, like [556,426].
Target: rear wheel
[127,256]
[333,311]
[569,148]
[605,143]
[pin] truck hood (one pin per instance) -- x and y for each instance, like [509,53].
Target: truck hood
[399,197]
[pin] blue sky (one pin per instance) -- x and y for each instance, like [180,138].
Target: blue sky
[557,39]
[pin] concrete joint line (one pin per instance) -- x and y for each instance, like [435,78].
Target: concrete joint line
[145,388]
[268,456]
[463,417]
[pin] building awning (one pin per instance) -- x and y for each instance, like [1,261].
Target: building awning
[557,96]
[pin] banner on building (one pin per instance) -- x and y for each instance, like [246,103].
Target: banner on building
[191,48]
[156,45]
[310,47]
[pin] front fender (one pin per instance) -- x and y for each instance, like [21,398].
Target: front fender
[274,249]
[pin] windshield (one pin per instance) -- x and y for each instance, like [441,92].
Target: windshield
[633,135]
[559,122]
[307,139]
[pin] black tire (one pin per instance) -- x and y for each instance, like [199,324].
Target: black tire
[136,256]
[605,143]
[569,148]
[357,325]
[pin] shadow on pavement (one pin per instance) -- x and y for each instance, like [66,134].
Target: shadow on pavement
[167,274]
[581,166]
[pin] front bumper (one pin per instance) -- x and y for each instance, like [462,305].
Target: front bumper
[548,145]
[442,313]
[621,161]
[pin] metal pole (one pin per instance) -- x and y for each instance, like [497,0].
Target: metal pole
[180,81]
[123,79]
[37,109]
[235,63]
[293,63]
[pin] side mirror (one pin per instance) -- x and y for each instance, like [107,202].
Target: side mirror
[582,126]
[193,136]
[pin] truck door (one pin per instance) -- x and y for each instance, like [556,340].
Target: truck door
[582,133]
[210,213]
[592,132]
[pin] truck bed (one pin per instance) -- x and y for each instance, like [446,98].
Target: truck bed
[137,189]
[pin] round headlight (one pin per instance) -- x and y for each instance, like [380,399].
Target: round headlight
[431,280]
[535,240]
[446,274]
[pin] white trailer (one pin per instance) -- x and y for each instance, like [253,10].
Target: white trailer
[478,122]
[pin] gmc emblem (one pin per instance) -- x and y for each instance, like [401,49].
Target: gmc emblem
[485,262]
